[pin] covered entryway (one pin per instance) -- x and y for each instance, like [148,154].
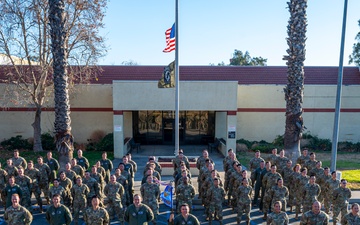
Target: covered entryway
[146,113]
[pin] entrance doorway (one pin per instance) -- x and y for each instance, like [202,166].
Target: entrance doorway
[169,131]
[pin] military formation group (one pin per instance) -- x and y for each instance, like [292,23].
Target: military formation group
[275,185]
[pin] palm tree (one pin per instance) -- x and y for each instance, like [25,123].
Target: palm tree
[64,139]
[294,91]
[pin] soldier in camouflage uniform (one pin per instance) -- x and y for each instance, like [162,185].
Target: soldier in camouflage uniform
[321,180]
[124,182]
[58,213]
[185,193]
[11,189]
[3,181]
[79,193]
[272,158]
[179,159]
[18,161]
[233,173]
[67,185]
[287,175]
[70,173]
[281,161]
[341,197]
[45,171]
[25,184]
[128,178]
[129,168]
[79,170]
[352,218]
[311,164]
[228,164]
[292,186]
[34,175]
[93,186]
[311,193]
[96,215]
[101,170]
[300,184]
[134,165]
[315,216]
[53,164]
[150,192]
[10,169]
[207,184]
[268,170]
[277,217]
[114,192]
[216,196]
[107,165]
[57,189]
[279,193]
[81,160]
[17,214]
[200,163]
[303,158]
[254,164]
[238,182]
[269,181]
[330,186]
[244,193]
[99,178]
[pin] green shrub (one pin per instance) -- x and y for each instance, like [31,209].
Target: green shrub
[105,144]
[245,142]
[279,141]
[16,143]
[321,144]
[48,142]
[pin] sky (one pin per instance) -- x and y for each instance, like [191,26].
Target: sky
[210,31]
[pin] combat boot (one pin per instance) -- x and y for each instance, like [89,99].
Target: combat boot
[41,208]
[265,216]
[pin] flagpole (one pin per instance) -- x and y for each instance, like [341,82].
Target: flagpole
[177,83]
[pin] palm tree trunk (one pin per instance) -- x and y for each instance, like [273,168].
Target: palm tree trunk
[62,124]
[294,91]
[37,147]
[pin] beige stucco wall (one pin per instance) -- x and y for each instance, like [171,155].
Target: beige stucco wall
[267,125]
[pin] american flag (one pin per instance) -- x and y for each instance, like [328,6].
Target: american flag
[170,39]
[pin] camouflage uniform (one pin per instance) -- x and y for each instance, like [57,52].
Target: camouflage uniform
[279,194]
[58,190]
[128,191]
[244,202]
[185,193]
[9,191]
[310,217]
[207,185]
[176,162]
[330,186]
[94,188]
[216,196]
[79,194]
[150,194]
[277,219]
[124,182]
[322,183]
[310,195]
[96,217]
[19,162]
[67,185]
[293,189]
[18,216]
[232,175]
[310,165]
[302,160]
[129,168]
[34,175]
[115,196]
[237,184]
[272,158]
[341,197]
[25,184]
[300,184]
[79,170]
[350,219]
[11,171]
[108,166]
[45,171]
[268,182]
[100,179]
[54,166]
[263,189]
[71,175]
[281,163]
[60,215]
[83,162]
[3,181]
